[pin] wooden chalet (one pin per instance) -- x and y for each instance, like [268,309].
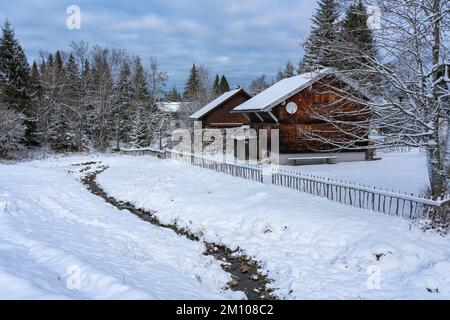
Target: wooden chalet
[217,114]
[291,106]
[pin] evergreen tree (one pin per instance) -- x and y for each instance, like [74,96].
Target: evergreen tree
[73,80]
[324,36]
[140,102]
[14,79]
[173,95]
[58,61]
[35,82]
[223,84]
[216,86]
[289,70]
[286,72]
[139,134]
[122,114]
[193,85]
[140,89]
[357,38]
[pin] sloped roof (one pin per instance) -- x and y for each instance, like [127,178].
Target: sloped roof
[216,103]
[281,91]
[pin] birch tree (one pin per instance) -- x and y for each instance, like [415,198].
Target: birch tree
[407,83]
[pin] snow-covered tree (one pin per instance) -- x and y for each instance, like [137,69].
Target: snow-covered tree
[102,98]
[324,33]
[14,79]
[12,128]
[122,113]
[258,85]
[193,86]
[139,134]
[286,72]
[409,103]
[173,95]
[357,36]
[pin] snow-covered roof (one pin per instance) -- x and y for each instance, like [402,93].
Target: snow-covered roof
[215,103]
[280,91]
[169,106]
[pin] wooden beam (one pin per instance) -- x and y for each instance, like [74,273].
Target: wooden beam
[259,117]
[273,116]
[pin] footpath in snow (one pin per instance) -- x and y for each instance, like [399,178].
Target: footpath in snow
[311,247]
[58,241]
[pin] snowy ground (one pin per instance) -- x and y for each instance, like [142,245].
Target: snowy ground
[398,171]
[52,228]
[311,247]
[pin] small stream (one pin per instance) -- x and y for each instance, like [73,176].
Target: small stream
[244,271]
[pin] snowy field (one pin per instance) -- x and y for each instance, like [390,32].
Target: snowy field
[312,248]
[398,171]
[52,230]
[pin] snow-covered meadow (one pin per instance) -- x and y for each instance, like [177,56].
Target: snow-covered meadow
[310,247]
[398,171]
[52,230]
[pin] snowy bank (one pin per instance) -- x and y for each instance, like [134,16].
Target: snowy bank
[52,230]
[311,247]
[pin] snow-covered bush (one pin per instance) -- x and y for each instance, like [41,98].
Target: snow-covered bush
[12,129]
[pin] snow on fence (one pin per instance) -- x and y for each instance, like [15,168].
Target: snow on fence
[247,171]
[370,198]
[145,152]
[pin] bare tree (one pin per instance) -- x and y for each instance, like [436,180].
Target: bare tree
[258,85]
[408,83]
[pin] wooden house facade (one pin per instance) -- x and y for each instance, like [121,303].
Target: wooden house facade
[297,106]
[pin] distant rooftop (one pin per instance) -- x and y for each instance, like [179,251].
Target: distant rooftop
[215,103]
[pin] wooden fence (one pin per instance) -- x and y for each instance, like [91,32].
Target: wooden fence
[145,152]
[370,198]
[244,171]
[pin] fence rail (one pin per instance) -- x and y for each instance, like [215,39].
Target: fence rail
[244,171]
[370,198]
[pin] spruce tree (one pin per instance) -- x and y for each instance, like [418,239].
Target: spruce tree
[139,134]
[286,72]
[357,38]
[123,115]
[223,84]
[289,70]
[173,95]
[14,80]
[216,86]
[140,102]
[193,85]
[58,61]
[323,38]
[35,82]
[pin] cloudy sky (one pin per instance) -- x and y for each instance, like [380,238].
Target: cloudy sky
[241,38]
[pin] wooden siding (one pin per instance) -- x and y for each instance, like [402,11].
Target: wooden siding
[311,102]
[222,117]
